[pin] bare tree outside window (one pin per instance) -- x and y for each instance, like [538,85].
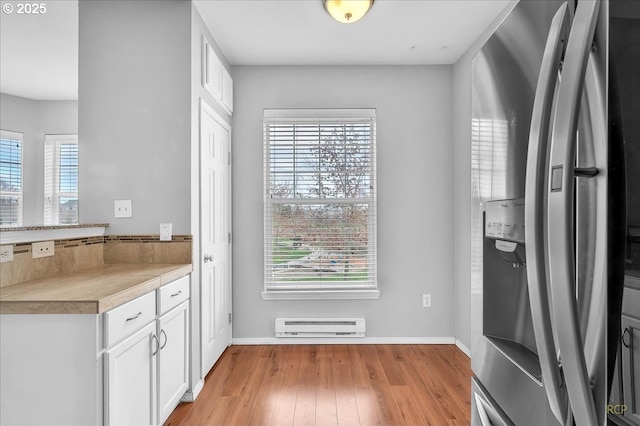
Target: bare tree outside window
[321,193]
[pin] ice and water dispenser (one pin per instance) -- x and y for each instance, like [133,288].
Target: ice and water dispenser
[507,320]
[505,225]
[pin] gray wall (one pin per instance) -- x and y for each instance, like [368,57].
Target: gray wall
[35,119]
[415,201]
[134,113]
[462,182]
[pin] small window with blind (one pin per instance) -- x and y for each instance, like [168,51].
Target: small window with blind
[10,178]
[61,180]
[320,203]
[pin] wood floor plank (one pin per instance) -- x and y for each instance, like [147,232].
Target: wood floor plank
[427,404]
[370,358]
[408,405]
[326,409]
[268,390]
[305,411]
[346,405]
[333,385]
[436,379]
[391,414]
[285,406]
[242,369]
[390,365]
[457,391]
[359,370]
[246,399]
[368,408]
[459,366]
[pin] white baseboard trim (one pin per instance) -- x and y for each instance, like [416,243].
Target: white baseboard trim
[463,348]
[345,341]
[190,396]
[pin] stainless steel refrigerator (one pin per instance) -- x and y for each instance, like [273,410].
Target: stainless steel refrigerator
[555,207]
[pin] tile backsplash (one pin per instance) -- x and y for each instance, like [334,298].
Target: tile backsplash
[79,254]
[147,249]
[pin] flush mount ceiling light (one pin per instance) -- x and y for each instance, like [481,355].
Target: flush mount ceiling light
[347,11]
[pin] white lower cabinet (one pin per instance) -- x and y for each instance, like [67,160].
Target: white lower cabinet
[127,366]
[147,373]
[173,359]
[130,385]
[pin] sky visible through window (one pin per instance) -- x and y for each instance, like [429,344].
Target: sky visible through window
[10,165]
[10,182]
[69,167]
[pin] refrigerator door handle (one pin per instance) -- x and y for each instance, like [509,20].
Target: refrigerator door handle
[595,299]
[560,229]
[535,220]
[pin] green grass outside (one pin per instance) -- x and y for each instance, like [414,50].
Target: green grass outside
[283,254]
[359,276]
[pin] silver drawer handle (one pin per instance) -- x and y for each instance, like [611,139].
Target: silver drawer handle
[177,294]
[136,317]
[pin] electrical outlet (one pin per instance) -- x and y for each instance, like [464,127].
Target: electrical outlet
[122,208]
[426,300]
[42,249]
[6,254]
[166,230]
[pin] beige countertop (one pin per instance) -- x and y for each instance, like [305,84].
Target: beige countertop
[92,291]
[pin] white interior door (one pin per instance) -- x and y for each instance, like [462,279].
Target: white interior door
[215,264]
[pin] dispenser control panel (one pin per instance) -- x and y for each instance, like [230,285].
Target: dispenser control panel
[504,220]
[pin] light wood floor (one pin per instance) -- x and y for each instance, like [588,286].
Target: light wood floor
[334,385]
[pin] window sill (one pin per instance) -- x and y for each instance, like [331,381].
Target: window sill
[320,294]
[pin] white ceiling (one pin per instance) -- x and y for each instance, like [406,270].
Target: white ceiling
[39,53]
[300,32]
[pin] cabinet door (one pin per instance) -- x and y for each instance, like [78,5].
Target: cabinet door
[631,367]
[130,387]
[173,359]
[227,91]
[211,71]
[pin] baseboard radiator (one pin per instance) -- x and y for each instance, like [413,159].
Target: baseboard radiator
[320,327]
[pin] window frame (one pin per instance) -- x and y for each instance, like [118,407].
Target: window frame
[19,195]
[52,168]
[316,290]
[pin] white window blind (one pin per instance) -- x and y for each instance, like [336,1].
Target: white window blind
[489,152]
[320,199]
[10,178]
[61,179]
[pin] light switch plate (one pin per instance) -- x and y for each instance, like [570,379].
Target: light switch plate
[166,231]
[122,208]
[6,253]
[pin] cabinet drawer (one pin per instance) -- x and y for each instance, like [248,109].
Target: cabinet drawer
[172,294]
[129,318]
